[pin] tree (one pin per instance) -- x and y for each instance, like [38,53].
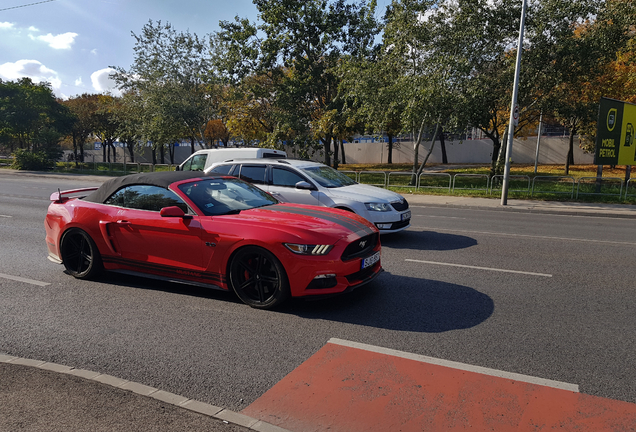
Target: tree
[106,125]
[216,132]
[32,118]
[302,42]
[84,108]
[170,85]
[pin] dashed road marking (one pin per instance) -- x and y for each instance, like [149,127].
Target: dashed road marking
[480,268]
[20,279]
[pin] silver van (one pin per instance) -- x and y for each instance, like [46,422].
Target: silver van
[203,159]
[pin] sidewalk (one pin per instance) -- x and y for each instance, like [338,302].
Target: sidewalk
[528,206]
[36,396]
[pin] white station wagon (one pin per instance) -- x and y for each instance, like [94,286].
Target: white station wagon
[306,182]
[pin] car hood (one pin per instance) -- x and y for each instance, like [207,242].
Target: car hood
[365,193]
[307,222]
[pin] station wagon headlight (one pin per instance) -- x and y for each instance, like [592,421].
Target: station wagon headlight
[302,249]
[379,207]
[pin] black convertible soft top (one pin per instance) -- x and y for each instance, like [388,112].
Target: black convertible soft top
[162,179]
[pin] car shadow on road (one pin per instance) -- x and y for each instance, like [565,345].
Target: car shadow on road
[389,302]
[401,303]
[427,240]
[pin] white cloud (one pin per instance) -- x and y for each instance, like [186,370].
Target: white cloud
[34,29]
[102,83]
[94,51]
[6,25]
[61,41]
[32,69]
[78,82]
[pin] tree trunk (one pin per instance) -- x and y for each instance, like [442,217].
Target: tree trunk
[162,154]
[154,155]
[131,151]
[335,155]
[327,146]
[496,148]
[342,152]
[416,155]
[390,159]
[192,150]
[75,148]
[419,171]
[171,148]
[570,156]
[442,144]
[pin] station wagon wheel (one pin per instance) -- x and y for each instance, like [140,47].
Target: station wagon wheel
[258,278]
[80,255]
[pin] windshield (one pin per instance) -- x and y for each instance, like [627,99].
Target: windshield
[225,196]
[328,177]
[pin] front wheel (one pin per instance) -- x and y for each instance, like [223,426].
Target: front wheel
[258,278]
[80,254]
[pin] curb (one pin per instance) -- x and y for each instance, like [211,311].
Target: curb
[215,412]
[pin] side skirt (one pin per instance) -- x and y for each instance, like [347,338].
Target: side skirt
[169,279]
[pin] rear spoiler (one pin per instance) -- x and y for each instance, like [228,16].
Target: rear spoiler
[59,196]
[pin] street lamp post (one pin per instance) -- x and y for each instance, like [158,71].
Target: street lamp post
[513,108]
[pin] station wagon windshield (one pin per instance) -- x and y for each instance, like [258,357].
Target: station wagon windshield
[328,177]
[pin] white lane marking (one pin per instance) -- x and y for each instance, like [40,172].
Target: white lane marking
[526,235]
[19,279]
[480,268]
[456,365]
[442,217]
[5,216]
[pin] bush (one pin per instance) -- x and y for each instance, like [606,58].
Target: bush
[26,160]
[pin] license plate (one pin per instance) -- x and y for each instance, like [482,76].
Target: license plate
[406,215]
[369,261]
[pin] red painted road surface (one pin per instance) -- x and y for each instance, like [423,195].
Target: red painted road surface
[345,389]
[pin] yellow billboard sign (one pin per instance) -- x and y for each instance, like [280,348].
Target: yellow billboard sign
[615,141]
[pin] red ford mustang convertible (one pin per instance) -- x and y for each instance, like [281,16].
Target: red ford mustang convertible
[211,231]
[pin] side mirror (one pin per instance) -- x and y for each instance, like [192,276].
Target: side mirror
[304,186]
[174,211]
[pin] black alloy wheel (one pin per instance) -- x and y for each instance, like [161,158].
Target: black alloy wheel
[258,278]
[80,255]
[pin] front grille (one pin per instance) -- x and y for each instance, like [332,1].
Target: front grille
[400,205]
[360,247]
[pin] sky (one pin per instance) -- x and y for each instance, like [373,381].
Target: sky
[72,44]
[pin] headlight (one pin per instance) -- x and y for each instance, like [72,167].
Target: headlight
[302,249]
[380,207]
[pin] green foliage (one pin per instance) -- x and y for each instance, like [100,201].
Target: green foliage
[169,87]
[30,115]
[32,161]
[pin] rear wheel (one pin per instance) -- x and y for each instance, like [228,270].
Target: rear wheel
[80,255]
[258,278]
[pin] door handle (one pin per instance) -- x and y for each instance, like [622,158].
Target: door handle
[123,222]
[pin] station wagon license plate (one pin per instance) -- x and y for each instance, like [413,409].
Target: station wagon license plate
[369,261]
[406,215]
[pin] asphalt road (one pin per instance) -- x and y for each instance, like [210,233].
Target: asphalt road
[550,296]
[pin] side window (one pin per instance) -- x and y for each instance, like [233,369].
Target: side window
[283,177]
[254,174]
[187,165]
[145,197]
[222,169]
[195,163]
